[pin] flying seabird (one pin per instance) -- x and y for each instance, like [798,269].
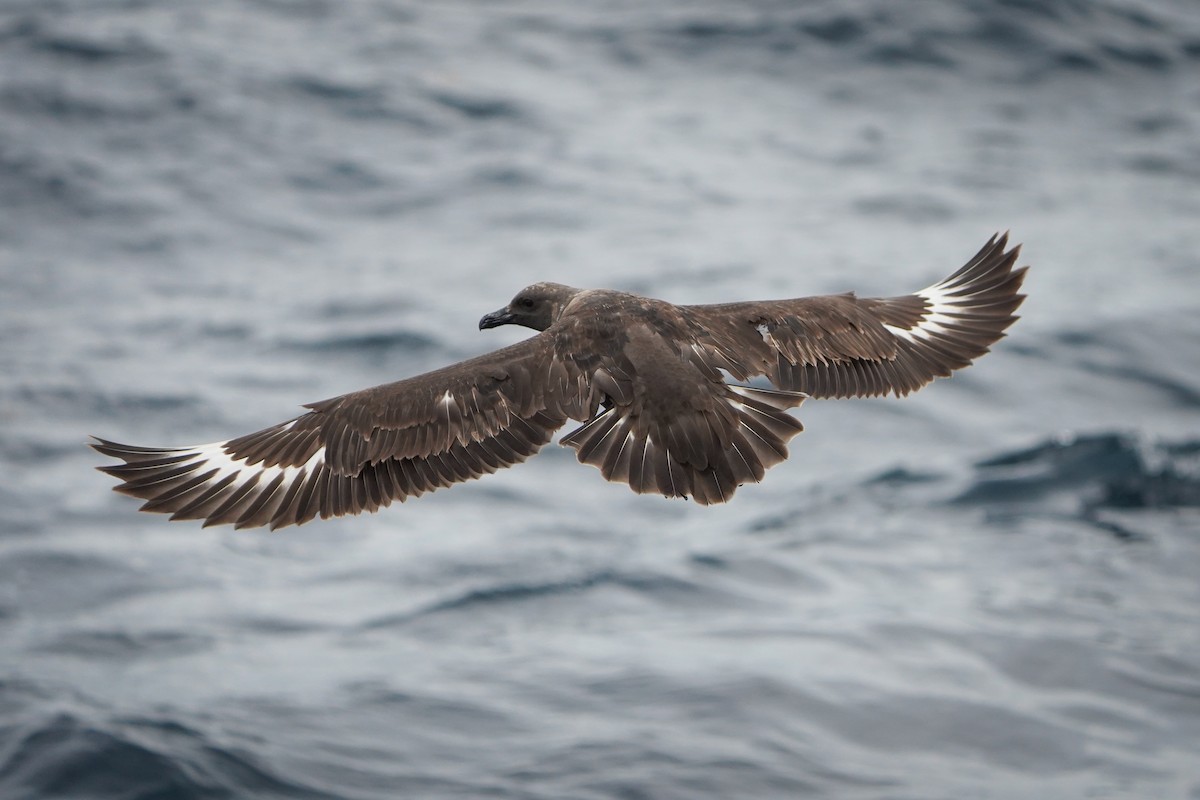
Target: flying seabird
[648,379]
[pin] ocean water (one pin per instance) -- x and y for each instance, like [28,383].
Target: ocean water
[213,212]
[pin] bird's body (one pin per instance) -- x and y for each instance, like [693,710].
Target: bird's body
[647,379]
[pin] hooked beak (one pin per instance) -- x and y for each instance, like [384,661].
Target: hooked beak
[495,319]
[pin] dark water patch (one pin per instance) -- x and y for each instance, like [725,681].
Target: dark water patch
[1071,60]
[787,520]
[117,645]
[507,177]
[1101,36]
[920,209]
[710,29]
[1160,165]
[479,107]
[91,49]
[1145,57]
[904,487]
[1005,32]
[231,331]
[398,204]
[276,626]
[839,28]
[493,596]
[1118,530]
[903,476]
[663,589]
[709,34]
[757,571]
[34,181]
[1112,58]
[868,34]
[326,88]
[918,50]
[63,757]
[66,756]
[17,28]
[365,345]
[782,30]
[360,101]
[1172,480]
[678,592]
[62,104]
[1004,40]
[1140,18]
[1069,461]
[339,176]
[1087,475]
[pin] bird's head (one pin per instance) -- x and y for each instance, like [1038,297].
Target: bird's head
[536,306]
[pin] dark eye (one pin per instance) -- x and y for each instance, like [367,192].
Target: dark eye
[525,302]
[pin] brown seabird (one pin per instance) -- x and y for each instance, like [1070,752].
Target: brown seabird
[647,379]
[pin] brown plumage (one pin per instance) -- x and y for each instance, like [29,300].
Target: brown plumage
[646,378]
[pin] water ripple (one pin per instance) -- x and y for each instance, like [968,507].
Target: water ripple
[64,755]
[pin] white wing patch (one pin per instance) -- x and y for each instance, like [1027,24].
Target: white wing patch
[233,477]
[210,456]
[938,317]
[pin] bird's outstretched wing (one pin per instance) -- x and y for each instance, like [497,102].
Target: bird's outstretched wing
[844,346]
[360,451]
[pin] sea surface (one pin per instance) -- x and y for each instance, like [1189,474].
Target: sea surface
[212,212]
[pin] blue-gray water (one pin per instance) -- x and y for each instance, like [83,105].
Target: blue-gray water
[213,212]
